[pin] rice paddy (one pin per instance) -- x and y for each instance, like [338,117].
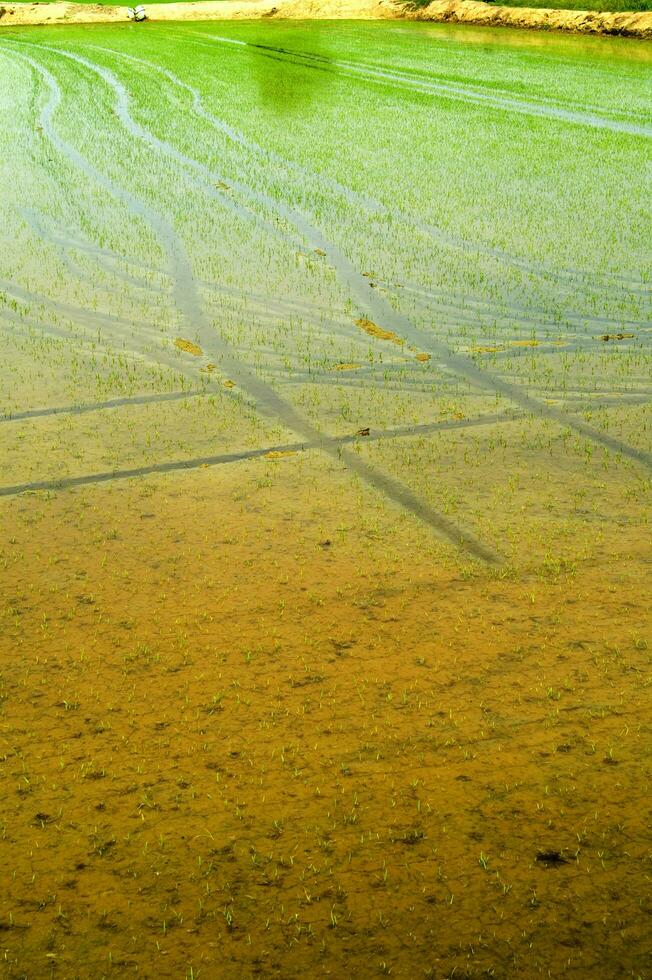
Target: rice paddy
[324,502]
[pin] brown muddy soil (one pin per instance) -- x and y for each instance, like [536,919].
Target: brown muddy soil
[627,24]
[242,736]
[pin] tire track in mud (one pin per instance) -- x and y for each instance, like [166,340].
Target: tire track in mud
[204,178]
[608,75]
[130,329]
[573,401]
[202,462]
[115,329]
[457,92]
[83,409]
[434,300]
[110,321]
[374,207]
[123,327]
[199,462]
[570,279]
[268,306]
[27,327]
[104,257]
[566,276]
[188,301]
[358,285]
[586,345]
[502,100]
[381,310]
[359,288]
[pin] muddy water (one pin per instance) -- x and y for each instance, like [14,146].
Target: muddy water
[324,510]
[249,726]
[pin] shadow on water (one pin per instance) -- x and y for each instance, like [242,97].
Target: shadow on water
[283,90]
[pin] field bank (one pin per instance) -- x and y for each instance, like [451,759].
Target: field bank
[628,24]
[325,501]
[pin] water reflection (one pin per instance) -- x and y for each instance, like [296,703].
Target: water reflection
[284,84]
[566,46]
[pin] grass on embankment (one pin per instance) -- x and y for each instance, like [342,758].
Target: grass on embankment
[96,3]
[610,6]
[613,6]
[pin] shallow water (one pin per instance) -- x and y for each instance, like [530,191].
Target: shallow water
[324,502]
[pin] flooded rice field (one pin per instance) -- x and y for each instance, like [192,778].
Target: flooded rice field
[324,503]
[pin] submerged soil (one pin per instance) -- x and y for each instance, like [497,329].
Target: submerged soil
[225,757]
[629,24]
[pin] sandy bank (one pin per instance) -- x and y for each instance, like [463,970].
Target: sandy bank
[578,21]
[449,11]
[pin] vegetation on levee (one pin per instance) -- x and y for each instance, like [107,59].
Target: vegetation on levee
[612,6]
[100,3]
[598,5]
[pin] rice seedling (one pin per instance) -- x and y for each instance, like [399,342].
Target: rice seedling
[324,501]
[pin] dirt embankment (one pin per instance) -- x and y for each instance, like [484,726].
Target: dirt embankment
[450,11]
[634,24]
